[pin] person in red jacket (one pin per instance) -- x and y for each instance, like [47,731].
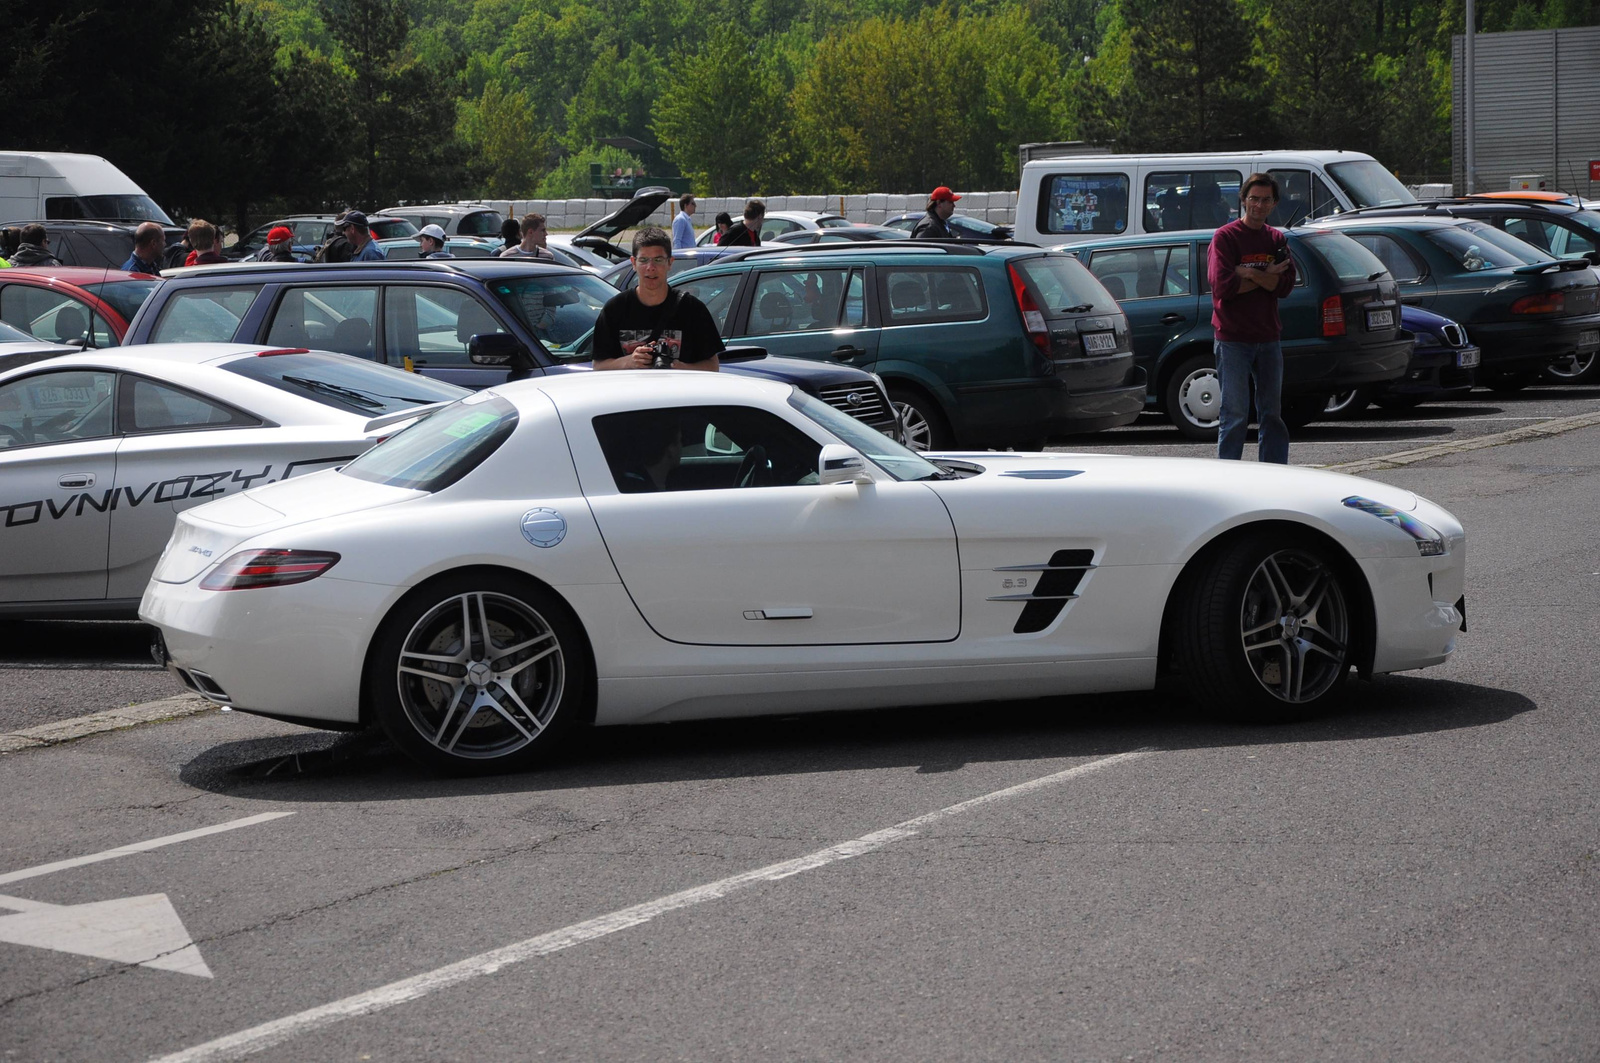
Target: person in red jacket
[1250,271]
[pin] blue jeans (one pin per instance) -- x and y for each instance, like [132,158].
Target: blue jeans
[1240,365]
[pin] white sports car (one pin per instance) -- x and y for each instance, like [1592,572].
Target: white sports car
[627,547]
[100,451]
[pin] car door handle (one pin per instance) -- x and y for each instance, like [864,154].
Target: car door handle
[1171,319]
[844,354]
[77,479]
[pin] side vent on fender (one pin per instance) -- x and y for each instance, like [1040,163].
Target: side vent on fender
[1056,587]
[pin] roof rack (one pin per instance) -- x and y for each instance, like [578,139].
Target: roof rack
[948,247]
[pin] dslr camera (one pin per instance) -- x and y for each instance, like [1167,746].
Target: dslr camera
[660,355]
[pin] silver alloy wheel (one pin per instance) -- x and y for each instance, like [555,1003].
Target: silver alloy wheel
[480,675]
[1200,398]
[916,432]
[1295,626]
[1341,401]
[1571,369]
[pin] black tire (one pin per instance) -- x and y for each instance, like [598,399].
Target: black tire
[1505,382]
[922,423]
[1398,402]
[1254,611]
[524,663]
[1583,369]
[1304,409]
[1193,398]
[1345,404]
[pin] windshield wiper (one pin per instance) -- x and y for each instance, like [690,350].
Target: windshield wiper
[1081,308]
[349,395]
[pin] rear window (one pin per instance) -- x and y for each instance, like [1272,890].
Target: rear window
[440,449]
[125,297]
[1511,245]
[1084,203]
[483,223]
[345,383]
[385,228]
[1471,251]
[833,222]
[204,315]
[1348,259]
[1061,282]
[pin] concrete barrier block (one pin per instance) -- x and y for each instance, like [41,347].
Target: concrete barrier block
[877,201]
[1000,215]
[973,203]
[855,206]
[876,217]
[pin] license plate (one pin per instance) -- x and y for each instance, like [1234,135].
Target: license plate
[1590,338]
[1466,359]
[1099,342]
[1377,319]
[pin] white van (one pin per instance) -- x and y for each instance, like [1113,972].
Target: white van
[1077,197]
[54,185]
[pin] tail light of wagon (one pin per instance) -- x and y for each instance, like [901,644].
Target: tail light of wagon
[1333,316]
[1032,316]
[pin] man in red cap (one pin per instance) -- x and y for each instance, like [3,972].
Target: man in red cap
[936,216]
[279,246]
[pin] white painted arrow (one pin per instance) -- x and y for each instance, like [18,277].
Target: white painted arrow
[140,930]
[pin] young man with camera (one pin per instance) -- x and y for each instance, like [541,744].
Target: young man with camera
[651,326]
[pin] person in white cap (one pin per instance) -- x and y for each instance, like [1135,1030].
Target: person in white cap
[431,240]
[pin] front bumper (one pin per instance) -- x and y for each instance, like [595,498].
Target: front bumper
[1435,371]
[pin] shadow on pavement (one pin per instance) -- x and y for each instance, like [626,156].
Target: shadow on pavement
[326,766]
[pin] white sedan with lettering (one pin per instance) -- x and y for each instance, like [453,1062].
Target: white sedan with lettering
[625,547]
[101,450]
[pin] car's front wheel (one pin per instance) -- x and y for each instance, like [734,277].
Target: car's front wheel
[1582,369]
[1194,398]
[479,673]
[1265,630]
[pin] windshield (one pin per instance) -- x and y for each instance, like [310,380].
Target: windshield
[1368,184]
[125,297]
[558,308]
[345,383]
[441,448]
[891,457]
[385,228]
[1348,259]
[122,208]
[1472,252]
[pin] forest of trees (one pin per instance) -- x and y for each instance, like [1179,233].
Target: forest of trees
[231,108]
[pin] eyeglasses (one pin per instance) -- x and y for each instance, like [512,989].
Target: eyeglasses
[1260,199]
[653,262]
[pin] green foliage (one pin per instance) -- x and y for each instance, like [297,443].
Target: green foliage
[570,178]
[504,141]
[716,115]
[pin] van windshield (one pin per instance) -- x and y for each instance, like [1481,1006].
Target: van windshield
[1368,184]
[108,208]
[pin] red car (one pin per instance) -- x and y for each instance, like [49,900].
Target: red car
[66,304]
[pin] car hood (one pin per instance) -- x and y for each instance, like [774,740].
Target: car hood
[644,203]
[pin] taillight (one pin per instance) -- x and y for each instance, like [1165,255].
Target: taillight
[1032,316]
[283,350]
[249,569]
[1543,303]
[1333,316]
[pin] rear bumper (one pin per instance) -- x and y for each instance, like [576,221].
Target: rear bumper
[1534,343]
[1334,366]
[1086,395]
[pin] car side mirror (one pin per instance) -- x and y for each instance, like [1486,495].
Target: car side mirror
[498,349]
[839,464]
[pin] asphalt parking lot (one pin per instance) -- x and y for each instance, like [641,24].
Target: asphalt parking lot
[1100,878]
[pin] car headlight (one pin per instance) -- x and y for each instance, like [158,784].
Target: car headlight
[1429,542]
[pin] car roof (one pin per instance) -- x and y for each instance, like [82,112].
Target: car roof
[301,271]
[855,249]
[1530,195]
[440,208]
[591,393]
[75,275]
[1352,220]
[185,353]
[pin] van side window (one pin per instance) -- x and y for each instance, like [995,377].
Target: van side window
[1301,195]
[1084,203]
[1175,200]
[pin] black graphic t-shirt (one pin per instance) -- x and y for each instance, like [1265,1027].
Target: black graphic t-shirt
[685,326]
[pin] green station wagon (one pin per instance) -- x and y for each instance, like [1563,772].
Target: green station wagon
[1341,323]
[980,345]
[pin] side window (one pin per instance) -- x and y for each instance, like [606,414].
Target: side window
[1395,259]
[148,406]
[312,232]
[1205,268]
[777,227]
[49,315]
[1119,270]
[326,319]
[717,293]
[934,293]
[1528,231]
[1185,199]
[56,407]
[1294,197]
[433,325]
[1571,242]
[1323,201]
[1084,203]
[204,315]
[1178,279]
[855,303]
[704,448]
[796,301]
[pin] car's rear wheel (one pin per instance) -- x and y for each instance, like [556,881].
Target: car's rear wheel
[1345,404]
[479,674]
[922,424]
[1506,382]
[1265,630]
[1582,369]
[1194,398]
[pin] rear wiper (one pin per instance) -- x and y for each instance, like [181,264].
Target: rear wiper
[1081,308]
[349,395]
[1378,274]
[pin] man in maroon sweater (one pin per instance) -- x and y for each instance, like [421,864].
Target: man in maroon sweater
[1250,271]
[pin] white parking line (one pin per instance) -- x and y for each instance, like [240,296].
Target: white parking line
[276,1032]
[139,847]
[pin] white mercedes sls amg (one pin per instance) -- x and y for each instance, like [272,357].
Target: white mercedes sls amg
[616,548]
